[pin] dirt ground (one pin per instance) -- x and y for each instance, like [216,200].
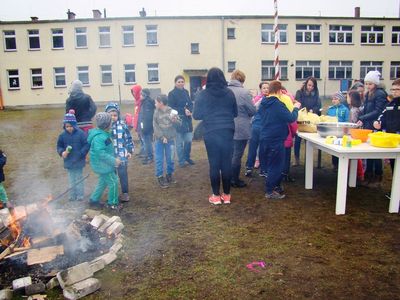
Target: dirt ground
[178,246]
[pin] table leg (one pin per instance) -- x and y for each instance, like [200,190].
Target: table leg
[395,193]
[341,191]
[353,173]
[309,165]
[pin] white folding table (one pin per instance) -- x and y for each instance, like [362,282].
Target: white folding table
[346,156]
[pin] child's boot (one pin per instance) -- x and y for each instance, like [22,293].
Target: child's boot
[162,183]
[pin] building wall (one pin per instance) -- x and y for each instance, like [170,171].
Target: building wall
[173,53]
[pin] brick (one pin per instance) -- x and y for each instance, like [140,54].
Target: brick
[37,297]
[52,283]
[6,294]
[91,213]
[21,283]
[116,247]
[109,222]
[81,289]
[35,288]
[5,216]
[97,265]
[108,258]
[98,221]
[74,274]
[115,229]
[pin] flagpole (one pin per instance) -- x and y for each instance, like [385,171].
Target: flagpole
[276,33]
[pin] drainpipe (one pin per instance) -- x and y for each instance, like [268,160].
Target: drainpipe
[223,43]
[1,100]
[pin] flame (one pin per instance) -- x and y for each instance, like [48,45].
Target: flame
[14,227]
[26,242]
[47,200]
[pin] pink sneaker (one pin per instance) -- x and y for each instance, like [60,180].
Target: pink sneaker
[213,199]
[226,198]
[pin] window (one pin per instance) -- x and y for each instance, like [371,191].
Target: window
[231,66]
[340,69]
[230,33]
[152,73]
[396,35]
[394,70]
[307,68]
[80,37]
[59,77]
[130,75]
[58,38]
[10,43]
[268,34]
[268,70]
[366,66]
[194,48]
[151,34]
[308,33]
[340,34]
[13,79]
[37,79]
[34,40]
[372,35]
[106,74]
[104,37]
[127,36]
[83,74]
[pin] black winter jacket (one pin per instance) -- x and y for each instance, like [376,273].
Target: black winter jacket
[147,108]
[390,117]
[374,104]
[179,99]
[311,101]
[84,107]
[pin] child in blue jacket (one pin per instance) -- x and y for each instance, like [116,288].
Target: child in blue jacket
[72,146]
[123,146]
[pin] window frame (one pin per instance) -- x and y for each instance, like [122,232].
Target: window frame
[79,72]
[81,34]
[269,65]
[394,70]
[127,33]
[104,72]
[150,31]
[127,71]
[36,75]
[9,77]
[55,36]
[368,34]
[269,33]
[104,35]
[337,64]
[340,32]
[33,36]
[231,33]
[229,67]
[6,37]
[194,49]
[306,30]
[153,67]
[369,65]
[313,64]
[57,75]
[396,33]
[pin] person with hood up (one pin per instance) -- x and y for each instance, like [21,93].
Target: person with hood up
[103,162]
[374,103]
[275,117]
[147,107]
[216,107]
[123,146]
[72,146]
[246,110]
[136,91]
[82,104]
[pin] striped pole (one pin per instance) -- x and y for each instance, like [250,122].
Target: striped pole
[276,32]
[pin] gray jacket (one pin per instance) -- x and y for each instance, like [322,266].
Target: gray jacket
[246,110]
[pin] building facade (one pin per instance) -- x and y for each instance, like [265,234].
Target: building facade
[39,59]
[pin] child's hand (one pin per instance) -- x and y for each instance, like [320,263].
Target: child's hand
[117,162]
[165,140]
[128,155]
[187,112]
[297,104]
[64,154]
[377,125]
[359,123]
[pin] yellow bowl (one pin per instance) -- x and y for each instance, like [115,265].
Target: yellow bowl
[384,140]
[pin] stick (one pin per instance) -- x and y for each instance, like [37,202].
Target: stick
[62,194]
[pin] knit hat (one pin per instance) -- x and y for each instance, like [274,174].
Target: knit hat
[103,120]
[339,96]
[373,76]
[76,87]
[112,106]
[70,118]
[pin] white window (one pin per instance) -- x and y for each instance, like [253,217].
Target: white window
[10,43]
[372,35]
[83,74]
[81,37]
[307,68]
[13,79]
[308,33]
[340,34]
[366,66]
[340,69]
[152,73]
[59,77]
[104,37]
[130,73]
[106,74]
[231,66]
[396,35]
[33,39]
[36,78]
[128,37]
[58,38]
[268,70]
[268,34]
[394,70]
[194,48]
[231,34]
[151,34]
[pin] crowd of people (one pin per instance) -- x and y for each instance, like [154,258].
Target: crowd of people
[231,118]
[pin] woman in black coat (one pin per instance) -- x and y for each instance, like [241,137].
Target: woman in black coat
[147,107]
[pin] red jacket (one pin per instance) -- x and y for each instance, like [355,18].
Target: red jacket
[136,92]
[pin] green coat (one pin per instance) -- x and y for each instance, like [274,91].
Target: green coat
[102,159]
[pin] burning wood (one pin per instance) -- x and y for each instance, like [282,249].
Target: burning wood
[37,256]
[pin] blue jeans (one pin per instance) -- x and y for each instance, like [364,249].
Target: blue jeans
[148,145]
[253,146]
[183,146]
[286,166]
[274,156]
[164,151]
[77,189]
[122,171]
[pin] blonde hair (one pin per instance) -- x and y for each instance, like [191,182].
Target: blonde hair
[238,75]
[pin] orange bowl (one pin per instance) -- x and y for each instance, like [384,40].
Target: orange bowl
[361,134]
